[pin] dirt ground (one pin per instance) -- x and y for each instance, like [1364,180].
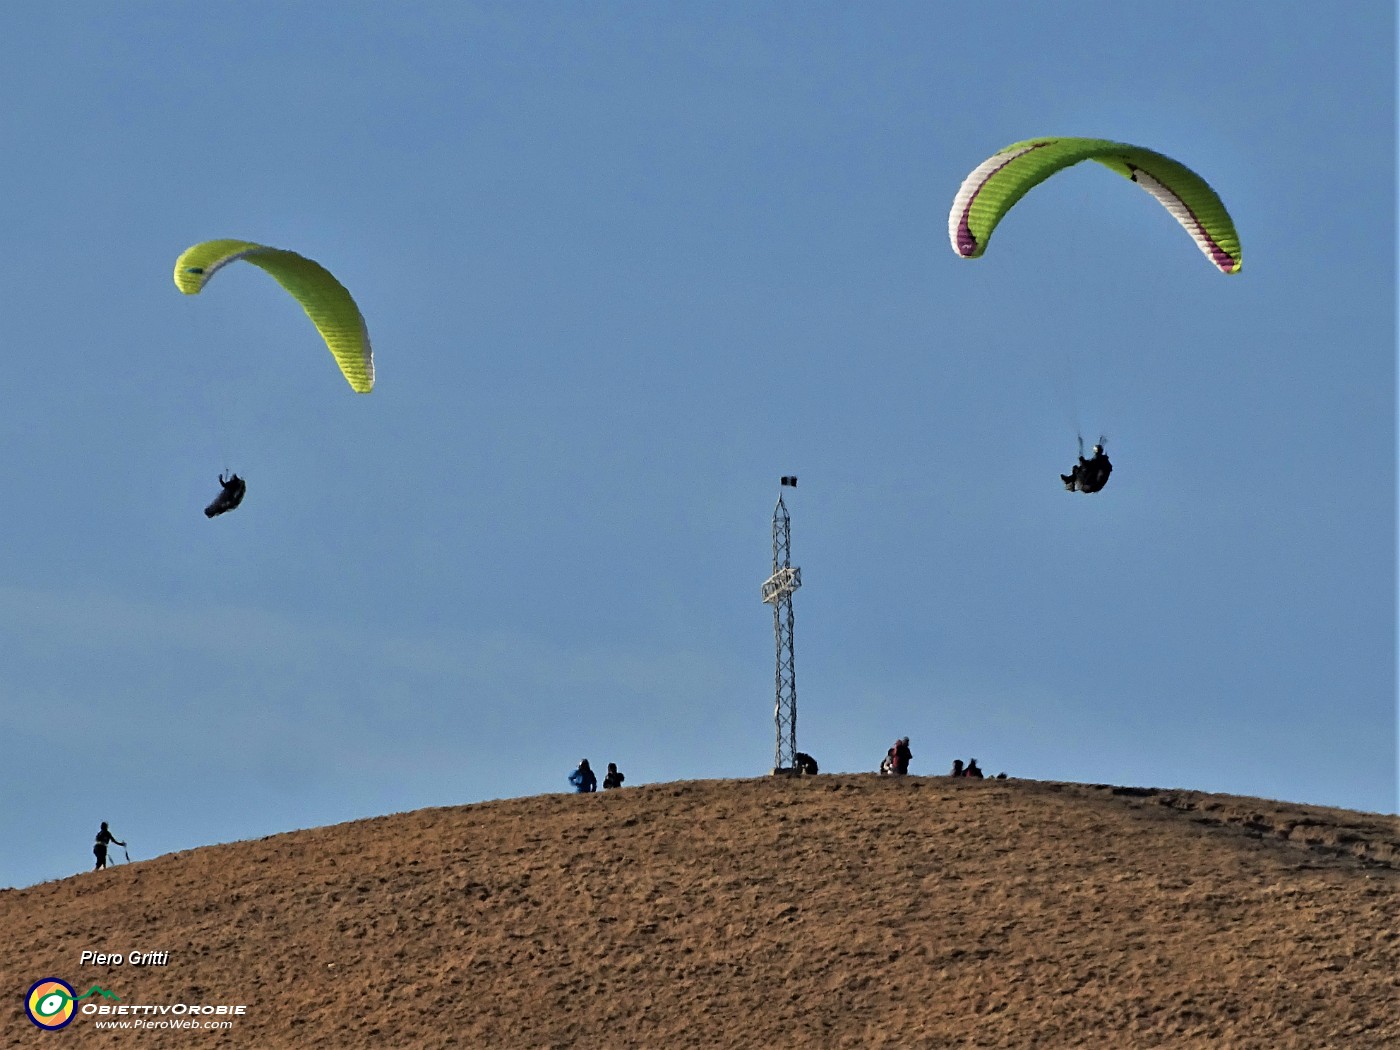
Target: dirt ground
[826,911]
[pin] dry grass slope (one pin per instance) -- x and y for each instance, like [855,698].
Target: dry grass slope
[829,911]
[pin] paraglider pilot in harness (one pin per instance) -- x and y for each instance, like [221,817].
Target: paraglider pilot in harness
[1088,475]
[229,497]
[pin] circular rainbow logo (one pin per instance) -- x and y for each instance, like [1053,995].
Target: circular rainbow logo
[49,1003]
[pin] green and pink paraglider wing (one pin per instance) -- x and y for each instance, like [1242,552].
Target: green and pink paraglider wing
[994,186]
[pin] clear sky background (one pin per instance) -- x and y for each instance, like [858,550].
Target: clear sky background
[624,265]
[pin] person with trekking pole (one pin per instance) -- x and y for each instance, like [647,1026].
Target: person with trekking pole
[99,848]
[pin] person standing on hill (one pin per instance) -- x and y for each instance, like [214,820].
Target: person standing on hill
[613,779]
[973,769]
[902,755]
[99,848]
[583,779]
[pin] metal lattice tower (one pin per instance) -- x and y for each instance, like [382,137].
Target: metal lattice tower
[777,592]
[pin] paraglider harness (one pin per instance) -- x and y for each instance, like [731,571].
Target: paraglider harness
[1089,475]
[228,498]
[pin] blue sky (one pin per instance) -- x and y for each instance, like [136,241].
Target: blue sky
[624,265]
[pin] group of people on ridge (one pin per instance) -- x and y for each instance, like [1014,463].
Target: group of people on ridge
[585,781]
[896,763]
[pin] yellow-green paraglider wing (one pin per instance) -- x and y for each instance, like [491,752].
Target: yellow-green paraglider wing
[325,300]
[995,185]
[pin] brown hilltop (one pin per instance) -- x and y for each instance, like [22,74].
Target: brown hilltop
[828,911]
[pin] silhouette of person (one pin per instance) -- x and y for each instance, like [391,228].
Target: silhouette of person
[583,779]
[902,755]
[957,768]
[99,848]
[613,779]
[1089,475]
[973,769]
[230,496]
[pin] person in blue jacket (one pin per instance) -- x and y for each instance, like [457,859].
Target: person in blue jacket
[582,779]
